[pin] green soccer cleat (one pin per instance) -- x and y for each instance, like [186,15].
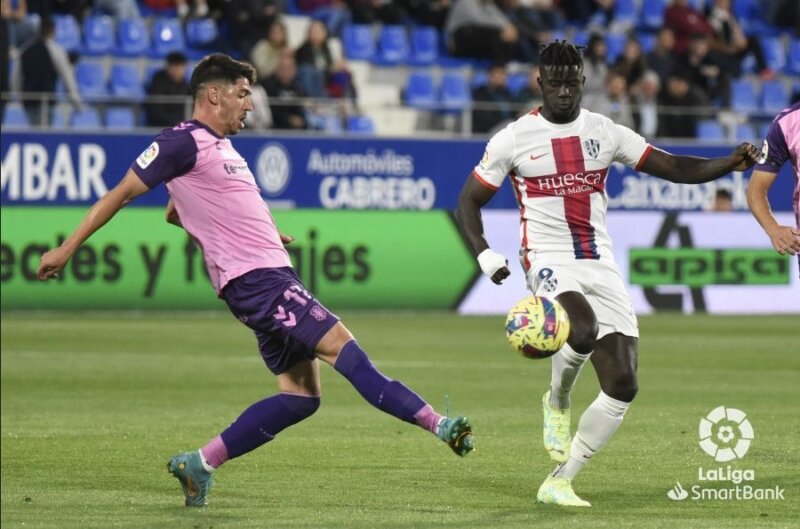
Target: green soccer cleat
[457,433]
[195,480]
[558,491]
[556,430]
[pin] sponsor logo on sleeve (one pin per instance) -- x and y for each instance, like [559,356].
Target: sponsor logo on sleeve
[147,157]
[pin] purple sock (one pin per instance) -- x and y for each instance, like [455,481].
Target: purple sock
[384,393]
[262,421]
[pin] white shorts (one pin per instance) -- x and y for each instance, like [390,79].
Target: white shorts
[598,280]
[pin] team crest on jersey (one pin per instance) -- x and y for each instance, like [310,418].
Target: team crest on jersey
[485,159]
[147,157]
[592,147]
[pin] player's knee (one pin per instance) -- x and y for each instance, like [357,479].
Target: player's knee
[624,387]
[301,405]
[582,334]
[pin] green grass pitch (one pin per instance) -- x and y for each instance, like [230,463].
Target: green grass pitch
[93,405]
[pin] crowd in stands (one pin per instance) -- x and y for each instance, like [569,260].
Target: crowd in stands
[663,67]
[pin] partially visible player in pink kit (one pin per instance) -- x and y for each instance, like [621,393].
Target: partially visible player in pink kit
[214,197]
[781,145]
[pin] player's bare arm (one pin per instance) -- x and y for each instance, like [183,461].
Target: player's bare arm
[102,211]
[785,239]
[695,170]
[473,197]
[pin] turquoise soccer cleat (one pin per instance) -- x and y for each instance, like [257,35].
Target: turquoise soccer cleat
[195,480]
[457,433]
[555,432]
[558,491]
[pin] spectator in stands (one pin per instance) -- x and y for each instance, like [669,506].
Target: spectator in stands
[723,201]
[785,14]
[334,13]
[645,99]
[4,73]
[678,104]
[731,43]
[614,102]
[260,118]
[661,58]
[119,9]
[247,20]
[543,13]
[595,70]
[371,11]
[494,103]
[478,28]
[685,21]
[317,72]
[170,81]
[584,10]
[267,52]
[42,64]
[705,70]
[285,95]
[20,29]
[530,96]
[532,31]
[184,8]
[631,64]
[428,12]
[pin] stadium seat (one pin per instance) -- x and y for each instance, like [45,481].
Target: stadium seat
[330,124]
[793,59]
[133,36]
[91,79]
[68,33]
[424,46]
[774,53]
[98,35]
[652,16]
[201,32]
[420,90]
[167,37]
[393,47]
[360,125]
[763,130]
[86,118]
[120,118]
[647,41]
[15,116]
[454,92]
[625,12]
[359,42]
[61,114]
[517,81]
[479,78]
[710,130]
[615,43]
[743,96]
[745,132]
[581,37]
[126,80]
[774,96]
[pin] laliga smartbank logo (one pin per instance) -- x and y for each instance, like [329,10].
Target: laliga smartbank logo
[725,435]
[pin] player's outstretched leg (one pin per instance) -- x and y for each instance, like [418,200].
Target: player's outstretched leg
[396,399]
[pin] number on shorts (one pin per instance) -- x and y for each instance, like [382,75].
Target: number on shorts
[297,294]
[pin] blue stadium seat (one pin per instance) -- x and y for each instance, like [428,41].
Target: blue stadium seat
[763,130]
[393,47]
[201,32]
[15,116]
[517,81]
[615,42]
[744,97]
[86,118]
[133,36]
[120,118]
[98,35]
[774,53]
[60,118]
[647,41]
[745,132]
[793,59]
[774,96]
[420,90]
[653,14]
[91,79]
[424,46]
[68,33]
[710,130]
[126,81]
[454,92]
[625,12]
[479,78]
[581,37]
[360,125]
[331,124]
[359,42]
[167,37]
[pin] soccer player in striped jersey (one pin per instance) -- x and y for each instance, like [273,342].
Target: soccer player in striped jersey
[557,158]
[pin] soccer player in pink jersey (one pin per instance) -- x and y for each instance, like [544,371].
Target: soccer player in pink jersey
[782,144]
[214,197]
[557,158]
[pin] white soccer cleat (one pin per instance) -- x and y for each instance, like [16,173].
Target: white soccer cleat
[558,491]
[555,432]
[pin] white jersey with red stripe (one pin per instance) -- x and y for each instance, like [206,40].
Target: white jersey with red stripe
[559,176]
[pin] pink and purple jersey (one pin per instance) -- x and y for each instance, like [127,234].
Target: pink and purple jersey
[217,198]
[782,144]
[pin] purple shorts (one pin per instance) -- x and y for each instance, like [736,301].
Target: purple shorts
[288,321]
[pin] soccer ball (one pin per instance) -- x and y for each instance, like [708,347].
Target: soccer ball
[537,327]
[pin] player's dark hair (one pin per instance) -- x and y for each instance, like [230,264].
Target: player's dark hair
[220,67]
[560,54]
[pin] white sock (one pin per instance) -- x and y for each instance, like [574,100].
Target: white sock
[598,423]
[206,466]
[566,366]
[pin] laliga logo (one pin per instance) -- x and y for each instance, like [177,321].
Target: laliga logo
[725,434]
[273,168]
